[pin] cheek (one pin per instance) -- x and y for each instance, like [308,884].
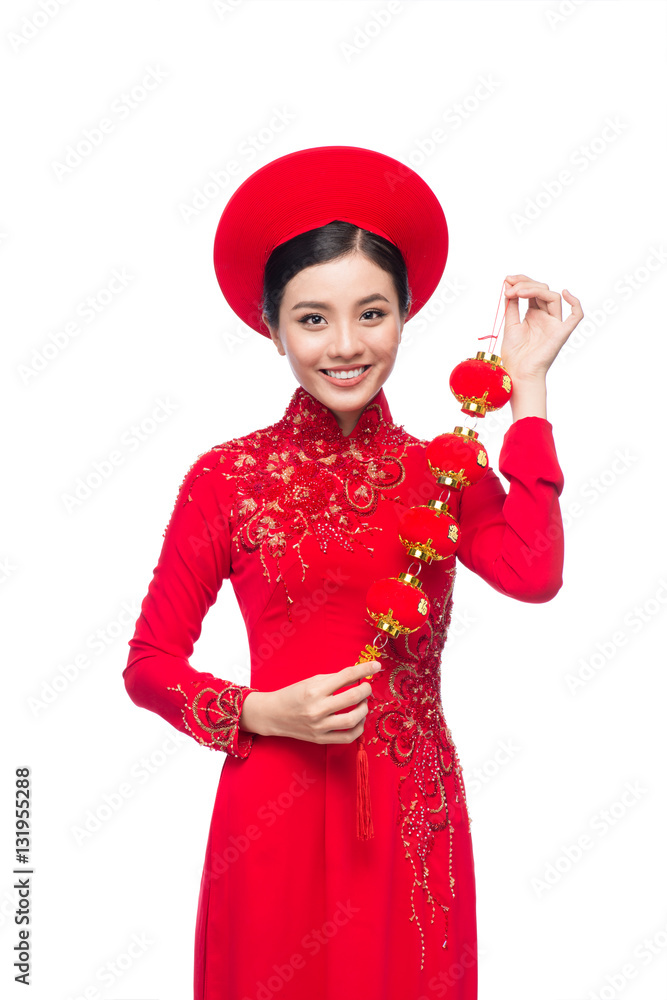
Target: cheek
[300,353]
[388,347]
[305,357]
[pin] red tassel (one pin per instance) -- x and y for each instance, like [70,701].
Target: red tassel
[364,817]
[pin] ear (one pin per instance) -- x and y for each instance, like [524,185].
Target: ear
[400,329]
[275,337]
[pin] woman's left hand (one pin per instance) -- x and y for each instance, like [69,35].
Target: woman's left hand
[530,346]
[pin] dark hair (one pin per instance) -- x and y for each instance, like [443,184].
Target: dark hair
[317,246]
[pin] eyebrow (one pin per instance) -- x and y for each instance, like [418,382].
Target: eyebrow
[325,305]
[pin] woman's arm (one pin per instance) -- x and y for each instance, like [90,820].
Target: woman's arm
[529,397]
[194,561]
[514,540]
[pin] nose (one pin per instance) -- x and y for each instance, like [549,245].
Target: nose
[346,341]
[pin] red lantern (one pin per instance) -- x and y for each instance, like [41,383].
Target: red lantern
[398,604]
[481,383]
[429,532]
[458,459]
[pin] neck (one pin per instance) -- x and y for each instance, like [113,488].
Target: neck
[310,418]
[348,420]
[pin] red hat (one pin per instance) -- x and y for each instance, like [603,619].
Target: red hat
[312,187]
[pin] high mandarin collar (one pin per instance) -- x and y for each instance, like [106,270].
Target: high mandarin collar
[310,417]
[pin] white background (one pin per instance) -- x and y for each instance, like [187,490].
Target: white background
[520,93]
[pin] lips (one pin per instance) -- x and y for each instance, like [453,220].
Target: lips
[346,381]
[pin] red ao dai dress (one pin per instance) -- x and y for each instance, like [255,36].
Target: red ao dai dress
[301,520]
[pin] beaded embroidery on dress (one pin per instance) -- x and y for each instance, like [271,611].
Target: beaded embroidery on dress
[301,491]
[302,476]
[416,737]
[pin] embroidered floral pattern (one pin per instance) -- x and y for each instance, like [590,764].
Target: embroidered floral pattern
[212,718]
[301,476]
[410,728]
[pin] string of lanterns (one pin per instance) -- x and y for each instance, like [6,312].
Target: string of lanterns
[399,605]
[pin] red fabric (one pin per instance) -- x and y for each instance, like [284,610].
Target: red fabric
[302,519]
[309,188]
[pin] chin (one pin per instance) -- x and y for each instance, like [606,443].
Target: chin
[328,393]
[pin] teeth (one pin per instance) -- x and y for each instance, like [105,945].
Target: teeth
[352,374]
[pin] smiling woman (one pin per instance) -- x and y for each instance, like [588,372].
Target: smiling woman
[329,252]
[346,335]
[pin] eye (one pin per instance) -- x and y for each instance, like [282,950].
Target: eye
[369,313]
[311,316]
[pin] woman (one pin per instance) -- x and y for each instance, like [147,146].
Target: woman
[328,252]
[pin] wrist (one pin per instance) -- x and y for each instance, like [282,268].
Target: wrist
[538,378]
[529,397]
[254,715]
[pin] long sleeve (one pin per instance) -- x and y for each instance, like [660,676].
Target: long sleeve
[514,540]
[193,562]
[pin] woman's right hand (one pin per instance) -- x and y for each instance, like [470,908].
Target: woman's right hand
[310,710]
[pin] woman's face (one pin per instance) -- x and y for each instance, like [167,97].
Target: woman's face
[340,315]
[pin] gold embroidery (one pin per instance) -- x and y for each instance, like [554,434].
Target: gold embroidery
[213,718]
[301,477]
[411,730]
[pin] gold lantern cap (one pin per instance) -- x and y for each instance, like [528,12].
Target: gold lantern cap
[493,359]
[466,432]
